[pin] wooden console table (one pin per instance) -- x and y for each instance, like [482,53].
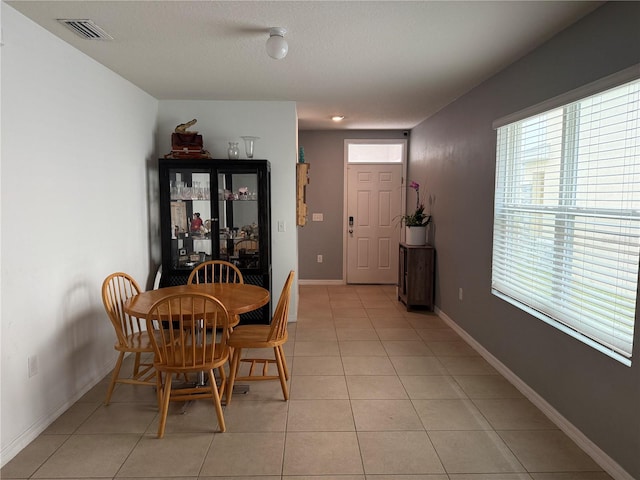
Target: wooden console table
[416,276]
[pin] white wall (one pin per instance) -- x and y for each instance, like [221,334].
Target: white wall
[76,140]
[79,194]
[221,122]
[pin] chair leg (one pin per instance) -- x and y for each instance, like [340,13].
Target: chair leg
[136,365]
[281,373]
[159,389]
[216,401]
[233,370]
[223,381]
[284,362]
[230,330]
[164,409]
[114,378]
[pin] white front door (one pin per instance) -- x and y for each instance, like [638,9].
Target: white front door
[374,193]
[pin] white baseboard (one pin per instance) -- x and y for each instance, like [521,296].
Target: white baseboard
[9,451]
[590,448]
[321,282]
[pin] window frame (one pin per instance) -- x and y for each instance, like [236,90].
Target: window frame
[387,142]
[569,164]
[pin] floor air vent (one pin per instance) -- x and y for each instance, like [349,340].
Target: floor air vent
[86,29]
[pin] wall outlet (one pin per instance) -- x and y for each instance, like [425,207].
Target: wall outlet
[317,217]
[33,365]
[319,259]
[460,294]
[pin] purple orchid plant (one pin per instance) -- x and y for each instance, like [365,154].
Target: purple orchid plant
[418,217]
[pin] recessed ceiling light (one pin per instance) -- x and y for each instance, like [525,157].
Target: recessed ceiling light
[337,118]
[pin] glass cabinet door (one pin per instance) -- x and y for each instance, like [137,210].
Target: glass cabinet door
[192,219]
[239,235]
[202,230]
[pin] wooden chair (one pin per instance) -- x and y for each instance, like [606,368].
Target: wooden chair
[247,253]
[248,245]
[187,348]
[130,336]
[263,336]
[217,271]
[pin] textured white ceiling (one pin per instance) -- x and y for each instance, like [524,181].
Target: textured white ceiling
[386,65]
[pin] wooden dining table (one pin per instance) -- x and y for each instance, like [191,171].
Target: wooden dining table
[237,298]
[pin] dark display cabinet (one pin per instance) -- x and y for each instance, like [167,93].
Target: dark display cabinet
[415,276]
[216,210]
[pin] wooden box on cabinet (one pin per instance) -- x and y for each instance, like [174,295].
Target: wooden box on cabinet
[415,276]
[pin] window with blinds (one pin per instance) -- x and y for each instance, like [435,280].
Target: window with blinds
[566,239]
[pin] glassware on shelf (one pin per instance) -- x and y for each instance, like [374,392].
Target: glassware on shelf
[196,191]
[178,191]
[249,144]
[233,151]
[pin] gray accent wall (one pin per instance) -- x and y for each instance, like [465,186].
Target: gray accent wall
[324,152]
[453,154]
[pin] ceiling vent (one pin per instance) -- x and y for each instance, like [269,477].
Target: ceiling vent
[86,29]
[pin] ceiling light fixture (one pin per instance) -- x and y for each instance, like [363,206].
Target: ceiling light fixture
[277,46]
[337,118]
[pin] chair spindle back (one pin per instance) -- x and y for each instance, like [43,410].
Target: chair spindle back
[116,289]
[281,314]
[187,346]
[216,271]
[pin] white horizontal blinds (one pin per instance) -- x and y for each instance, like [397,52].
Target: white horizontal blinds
[567,215]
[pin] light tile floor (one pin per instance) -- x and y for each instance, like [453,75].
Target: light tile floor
[377,393]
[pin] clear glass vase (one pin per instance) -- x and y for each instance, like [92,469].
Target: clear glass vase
[233,151]
[249,144]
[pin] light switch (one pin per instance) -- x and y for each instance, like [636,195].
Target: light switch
[317,217]
[281,226]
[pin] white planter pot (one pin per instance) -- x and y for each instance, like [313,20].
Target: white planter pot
[416,235]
